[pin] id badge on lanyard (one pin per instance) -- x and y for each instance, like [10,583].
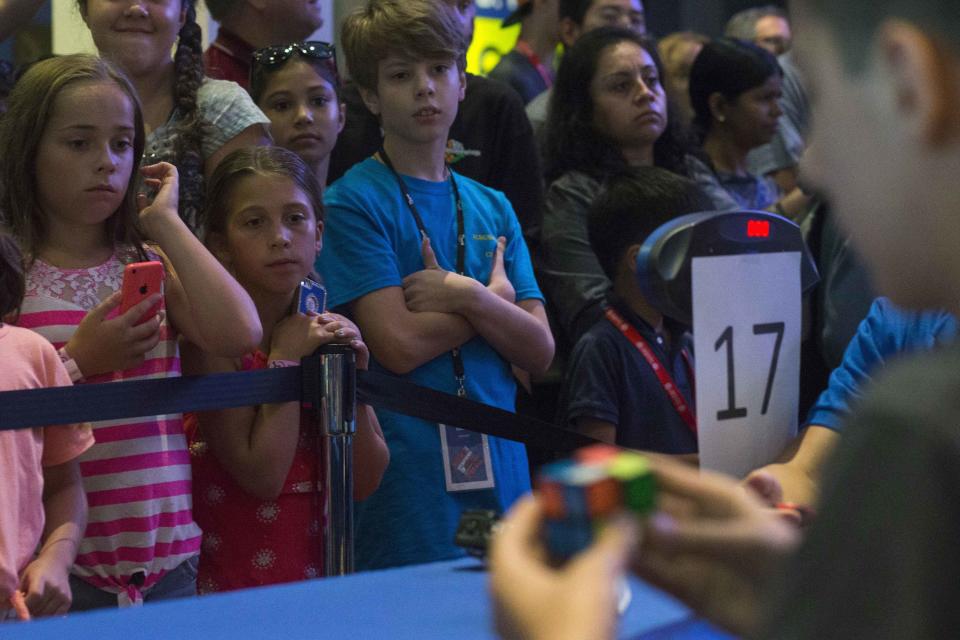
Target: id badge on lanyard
[466,459]
[467,464]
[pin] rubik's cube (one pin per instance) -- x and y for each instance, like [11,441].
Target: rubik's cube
[580,495]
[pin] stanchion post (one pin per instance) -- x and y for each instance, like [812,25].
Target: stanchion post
[329,379]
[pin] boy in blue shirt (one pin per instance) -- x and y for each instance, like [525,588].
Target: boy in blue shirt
[434,269]
[612,391]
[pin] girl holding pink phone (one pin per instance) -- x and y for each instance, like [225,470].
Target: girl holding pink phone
[259,490]
[75,124]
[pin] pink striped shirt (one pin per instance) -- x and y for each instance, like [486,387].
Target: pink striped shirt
[137,475]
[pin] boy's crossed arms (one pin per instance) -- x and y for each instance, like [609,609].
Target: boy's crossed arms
[436,311]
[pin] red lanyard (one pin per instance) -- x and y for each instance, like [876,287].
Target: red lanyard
[666,380]
[527,52]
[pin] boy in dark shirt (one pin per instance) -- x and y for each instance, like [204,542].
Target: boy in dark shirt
[612,391]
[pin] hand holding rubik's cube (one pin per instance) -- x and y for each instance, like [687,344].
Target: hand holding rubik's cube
[582,494]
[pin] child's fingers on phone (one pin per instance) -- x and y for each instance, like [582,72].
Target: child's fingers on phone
[145,345]
[144,330]
[108,304]
[137,311]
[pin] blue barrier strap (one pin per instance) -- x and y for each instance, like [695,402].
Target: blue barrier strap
[387,392]
[114,400]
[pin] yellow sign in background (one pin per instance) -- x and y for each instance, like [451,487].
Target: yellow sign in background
[490,41]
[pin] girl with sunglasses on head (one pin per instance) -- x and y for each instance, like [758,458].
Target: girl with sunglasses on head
[298,88]
[192,121]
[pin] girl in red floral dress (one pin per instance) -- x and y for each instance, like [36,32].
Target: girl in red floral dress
[258,485]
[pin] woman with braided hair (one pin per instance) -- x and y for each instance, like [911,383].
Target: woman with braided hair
[191,121]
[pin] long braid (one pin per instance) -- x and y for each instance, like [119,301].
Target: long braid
[188,68]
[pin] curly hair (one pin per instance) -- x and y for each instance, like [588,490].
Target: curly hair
[30,106]
[572,141]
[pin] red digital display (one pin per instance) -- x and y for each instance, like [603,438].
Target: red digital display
[758,228]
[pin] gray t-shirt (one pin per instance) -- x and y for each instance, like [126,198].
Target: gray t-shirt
[226,110]
[882,559]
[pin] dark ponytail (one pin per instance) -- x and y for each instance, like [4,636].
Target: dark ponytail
[189,130]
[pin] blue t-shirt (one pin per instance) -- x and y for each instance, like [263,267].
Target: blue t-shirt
[609,379]
[371,241]
[886,332]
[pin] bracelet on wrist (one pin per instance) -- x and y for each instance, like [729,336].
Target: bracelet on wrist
[279,364]
[70,365]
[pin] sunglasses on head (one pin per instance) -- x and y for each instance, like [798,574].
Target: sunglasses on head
[272,56]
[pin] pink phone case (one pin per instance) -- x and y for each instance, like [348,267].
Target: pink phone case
[141,280]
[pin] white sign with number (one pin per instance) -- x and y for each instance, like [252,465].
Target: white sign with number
[746,330]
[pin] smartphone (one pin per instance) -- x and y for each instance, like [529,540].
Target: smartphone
[311,297]
[140,281]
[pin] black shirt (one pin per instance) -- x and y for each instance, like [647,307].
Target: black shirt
[490,141]
[517,71]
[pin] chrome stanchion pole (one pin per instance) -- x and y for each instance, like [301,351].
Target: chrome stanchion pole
[337,414]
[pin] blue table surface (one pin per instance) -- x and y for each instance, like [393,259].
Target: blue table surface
[438,600]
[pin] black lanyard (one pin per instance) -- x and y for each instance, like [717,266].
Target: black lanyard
[458,371]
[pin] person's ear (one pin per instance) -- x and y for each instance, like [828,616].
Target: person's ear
[463,84]
[371,99]
[341,117]
[718,106]
[925,79]
[631,257]
[569,31]
[319,236]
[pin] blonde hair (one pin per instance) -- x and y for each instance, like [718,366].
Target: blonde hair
[417,29]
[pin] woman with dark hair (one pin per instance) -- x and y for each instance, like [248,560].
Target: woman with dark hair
[192,121]
[608,113]
[735,89]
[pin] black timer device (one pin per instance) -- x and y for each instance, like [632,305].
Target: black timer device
[665,261]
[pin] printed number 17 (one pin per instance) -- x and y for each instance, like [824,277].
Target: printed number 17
[732,411]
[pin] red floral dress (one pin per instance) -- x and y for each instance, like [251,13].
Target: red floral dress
[248,542]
